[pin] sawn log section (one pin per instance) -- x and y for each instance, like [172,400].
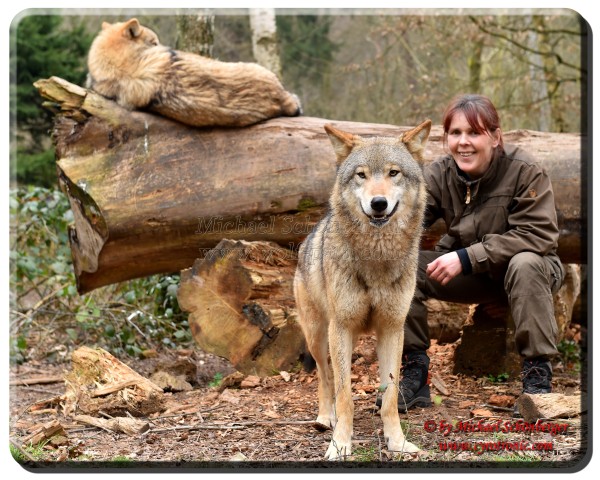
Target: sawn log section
[150,195]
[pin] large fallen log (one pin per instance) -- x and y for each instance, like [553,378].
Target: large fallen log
[150,195]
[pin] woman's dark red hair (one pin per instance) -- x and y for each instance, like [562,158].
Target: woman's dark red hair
[479,112]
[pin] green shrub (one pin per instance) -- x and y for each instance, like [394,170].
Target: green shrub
[125,318]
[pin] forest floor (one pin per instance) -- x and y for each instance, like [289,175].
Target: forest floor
[267,423]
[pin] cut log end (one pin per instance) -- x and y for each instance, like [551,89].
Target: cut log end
[549,406]
[241,306]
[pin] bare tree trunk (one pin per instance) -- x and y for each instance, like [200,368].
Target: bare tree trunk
[539,85]
[549,64]
[475,66]
[264,39]
[196,34]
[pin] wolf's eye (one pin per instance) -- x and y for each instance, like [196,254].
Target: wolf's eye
[361,175]
[393,173]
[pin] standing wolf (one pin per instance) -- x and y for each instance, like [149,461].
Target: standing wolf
[128,64]
[357,273]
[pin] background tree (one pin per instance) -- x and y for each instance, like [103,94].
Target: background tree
[546,73]
[265,47]
[196,34]
[45,46]
[307,58]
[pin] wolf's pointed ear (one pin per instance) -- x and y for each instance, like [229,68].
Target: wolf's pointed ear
[105,25]
[416,139]
[342,142]
[132,28]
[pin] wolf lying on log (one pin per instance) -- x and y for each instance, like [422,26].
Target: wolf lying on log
[128,64]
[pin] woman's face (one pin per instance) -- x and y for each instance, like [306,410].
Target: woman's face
[471,151]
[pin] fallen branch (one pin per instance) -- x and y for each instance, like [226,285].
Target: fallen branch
[130,426]
[195,427]
[234,426]
[113,388]
[36,381]
[46,298]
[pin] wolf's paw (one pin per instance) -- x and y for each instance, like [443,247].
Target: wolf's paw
[338,450]
[402,445]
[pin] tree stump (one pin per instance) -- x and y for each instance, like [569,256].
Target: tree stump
[487,345]
[241,306]
[100,382]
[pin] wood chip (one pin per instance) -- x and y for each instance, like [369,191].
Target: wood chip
[44,432]
[229,397]
[366,388]
[502,400]
[481,412]
[107,390]
[232,380]
[549,405]
[439,384]
[251,381]
[170,382]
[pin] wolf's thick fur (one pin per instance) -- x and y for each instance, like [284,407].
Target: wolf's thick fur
[357,272]
[127,63]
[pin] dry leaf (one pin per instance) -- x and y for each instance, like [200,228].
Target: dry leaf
[481,412]
[229,397]
[501,400]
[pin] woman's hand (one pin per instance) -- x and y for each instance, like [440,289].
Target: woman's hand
[444,268]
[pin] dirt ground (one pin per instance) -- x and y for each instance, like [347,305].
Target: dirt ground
[268,423]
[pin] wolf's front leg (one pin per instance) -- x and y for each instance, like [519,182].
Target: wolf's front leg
[340,345]
[389,354]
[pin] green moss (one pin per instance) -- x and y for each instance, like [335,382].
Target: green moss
[306,203]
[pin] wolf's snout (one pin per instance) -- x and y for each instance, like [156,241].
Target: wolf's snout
[379,204]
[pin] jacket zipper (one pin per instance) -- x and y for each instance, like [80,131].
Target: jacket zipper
[468,195]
